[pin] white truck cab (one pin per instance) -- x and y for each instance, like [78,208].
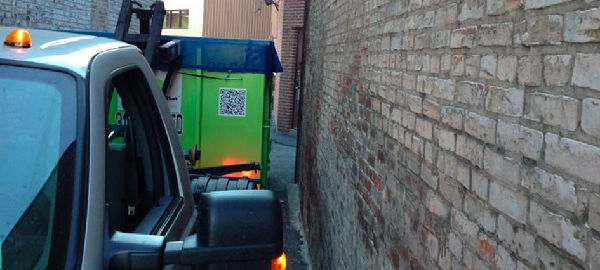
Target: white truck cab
[78,193]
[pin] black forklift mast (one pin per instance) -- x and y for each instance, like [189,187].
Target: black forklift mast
[149,39]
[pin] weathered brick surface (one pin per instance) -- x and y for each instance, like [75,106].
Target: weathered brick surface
[530,71]
[464,227]
[499,7]
[470,149]
[471,9]
[480,212]
[536,4]
[465,136]
[518,240]
[453,117]
[542,30]
[481,127]
[463,37]
[594,250]
[556,70]
[507,68]
[558,230]
[595,212]
[550,187]
[495,34]
[573,157]
[480,184]
[446,139]
[550,259]
[472,66]
[509,201]
[520,139]
[584,71]
[489,65]
[582,26]
[505,101]
[590,120]
[559,111]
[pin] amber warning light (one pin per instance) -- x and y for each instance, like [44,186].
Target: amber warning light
[279,263]
[18,38]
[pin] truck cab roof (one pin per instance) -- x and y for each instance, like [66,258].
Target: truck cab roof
[69,51]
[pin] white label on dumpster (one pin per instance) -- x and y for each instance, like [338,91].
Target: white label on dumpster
[232,102]
[174,93]
[119,104]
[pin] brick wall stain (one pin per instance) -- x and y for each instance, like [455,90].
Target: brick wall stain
[97,15]
[457,134]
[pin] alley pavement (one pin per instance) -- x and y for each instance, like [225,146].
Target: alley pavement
[281,177]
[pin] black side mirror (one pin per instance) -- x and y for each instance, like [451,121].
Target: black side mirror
[232,227]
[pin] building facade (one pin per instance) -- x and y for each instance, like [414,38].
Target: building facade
[184,18]
[251,19]
[458,134]
[220,18]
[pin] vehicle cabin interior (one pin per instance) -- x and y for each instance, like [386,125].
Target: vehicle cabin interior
[138,186]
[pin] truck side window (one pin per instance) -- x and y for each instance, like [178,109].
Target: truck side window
[138,186]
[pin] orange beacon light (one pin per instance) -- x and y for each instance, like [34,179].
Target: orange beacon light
[18,38]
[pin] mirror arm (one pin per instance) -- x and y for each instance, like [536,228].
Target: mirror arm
[133,251]
[188,253]
[127,251]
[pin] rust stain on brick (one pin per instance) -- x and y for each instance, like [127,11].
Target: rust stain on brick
[395,259]
[377,181]
[485,249]
[467,31]
[593,33]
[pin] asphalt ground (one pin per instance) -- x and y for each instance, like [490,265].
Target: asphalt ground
[281,177]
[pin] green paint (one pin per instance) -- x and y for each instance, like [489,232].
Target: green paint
[233,139]
[221,139]
[266,134]
[189,132]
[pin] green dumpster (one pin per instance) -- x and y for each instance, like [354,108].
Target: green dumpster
[234,128]
[220,101]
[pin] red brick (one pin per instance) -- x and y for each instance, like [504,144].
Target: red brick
[290,15]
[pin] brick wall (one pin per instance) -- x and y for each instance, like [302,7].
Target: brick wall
[291,17]
[278,43]
[457,134]
[98,15]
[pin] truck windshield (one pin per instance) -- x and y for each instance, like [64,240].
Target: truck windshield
[37,141]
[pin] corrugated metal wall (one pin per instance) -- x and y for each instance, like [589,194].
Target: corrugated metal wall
[237,19]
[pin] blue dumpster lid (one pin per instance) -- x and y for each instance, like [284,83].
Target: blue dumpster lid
[229,55]
[221,54]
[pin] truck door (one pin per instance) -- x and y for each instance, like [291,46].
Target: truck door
[138,182]
[142,191]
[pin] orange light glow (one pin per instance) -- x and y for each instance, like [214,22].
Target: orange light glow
[231,161]
[279,263]
[246,173]
[18,38]
[228,161]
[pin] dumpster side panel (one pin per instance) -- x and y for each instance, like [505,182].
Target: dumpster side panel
[232,119]
[184,100]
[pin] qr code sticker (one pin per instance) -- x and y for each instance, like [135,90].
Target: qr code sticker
[232,102]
